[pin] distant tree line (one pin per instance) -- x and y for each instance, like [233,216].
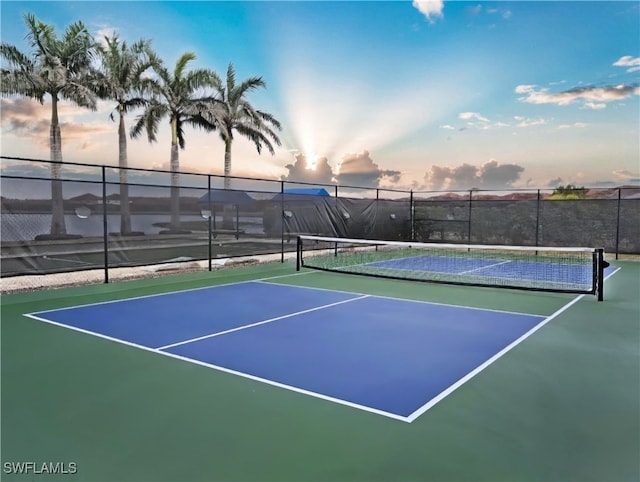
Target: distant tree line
[569,192]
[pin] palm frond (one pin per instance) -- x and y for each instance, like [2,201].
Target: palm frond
[15,58]
[268,118]
[80,94]
[149,121]
[256,136]
[182,62]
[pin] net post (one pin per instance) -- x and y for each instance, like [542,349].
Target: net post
[601,265]
[298,253]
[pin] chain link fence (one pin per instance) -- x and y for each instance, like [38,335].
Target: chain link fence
[108,219]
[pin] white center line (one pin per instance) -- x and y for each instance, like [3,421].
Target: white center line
[244,327]
[485,267]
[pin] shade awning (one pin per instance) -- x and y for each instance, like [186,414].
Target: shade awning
[302,194]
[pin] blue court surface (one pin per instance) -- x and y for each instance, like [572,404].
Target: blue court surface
[521,270]
[388,356]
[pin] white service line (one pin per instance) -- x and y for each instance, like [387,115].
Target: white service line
[244,327]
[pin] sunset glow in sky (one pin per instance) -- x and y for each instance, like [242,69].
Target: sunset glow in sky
[427,95]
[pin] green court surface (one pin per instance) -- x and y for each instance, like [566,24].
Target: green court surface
[561,406]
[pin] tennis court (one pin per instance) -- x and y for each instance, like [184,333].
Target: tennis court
[268,373]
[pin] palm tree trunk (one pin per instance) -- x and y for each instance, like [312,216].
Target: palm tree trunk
[125,214]
[175,178]
[227,214]
[58,228]
[227,163]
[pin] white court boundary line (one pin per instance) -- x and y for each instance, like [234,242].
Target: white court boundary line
[227,370]
[485,267]
[258,323]
[495,357]
[394,298]
[164,293]
[478,369]
[409,419]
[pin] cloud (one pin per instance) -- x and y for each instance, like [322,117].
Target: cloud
[103,31]
[471,116]
[524,122]
[431,9]
[300,171]
[555,182]
[627,61]
[26,119]
[592,97]
[494,175]
[477,121]
[574,125]
[595,106]
[625,175]
[358,169]
[31,121]
[491,175]
[504,13]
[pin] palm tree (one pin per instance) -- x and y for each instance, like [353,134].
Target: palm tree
[233,112]
[181,96]
[122,71]
[60,68]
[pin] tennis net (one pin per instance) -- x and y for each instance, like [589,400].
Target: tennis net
[566,270]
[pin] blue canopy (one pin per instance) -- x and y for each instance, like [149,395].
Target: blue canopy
[302,194]
[314,191]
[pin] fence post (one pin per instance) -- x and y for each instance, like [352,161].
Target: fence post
[374,229]
[469,221]
[105,225]
[538,220]
[618,222]
[412,216]
[210,222]
[282,221]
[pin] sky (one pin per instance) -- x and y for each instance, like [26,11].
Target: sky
[422,95]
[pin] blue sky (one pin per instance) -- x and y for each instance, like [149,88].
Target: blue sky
[422,95]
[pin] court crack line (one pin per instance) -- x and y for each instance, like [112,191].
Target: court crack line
[244,327]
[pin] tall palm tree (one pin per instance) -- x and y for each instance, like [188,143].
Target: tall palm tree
[122,72]
[233,112]
[181,96]
[60,68]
